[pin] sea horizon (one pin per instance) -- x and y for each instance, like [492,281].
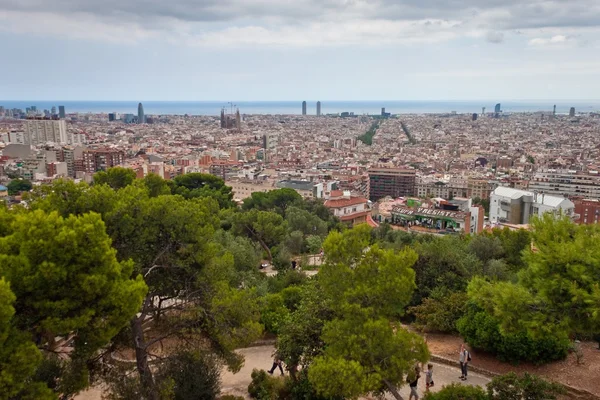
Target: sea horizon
[289,107]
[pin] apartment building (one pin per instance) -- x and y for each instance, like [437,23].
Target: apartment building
[393,182]
[567,183]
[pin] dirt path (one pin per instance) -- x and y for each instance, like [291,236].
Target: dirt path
[260,358]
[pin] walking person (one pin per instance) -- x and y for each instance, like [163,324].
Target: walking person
[413,384]
[464,358]
[429,377]
[276,363]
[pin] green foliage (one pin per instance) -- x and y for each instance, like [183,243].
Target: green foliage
[364,351]
[18,185]
[305,222]
[285,279]
[190,375]
[482,331]
[273,312]
[266,387]
[64,279]
[456,391]
[300,339]
[444,263]
[441,311]
[116,178]
[196,185]
[314,244]
[156,185]
[267,228]
[530,387]
[19,357]
[557,293]
[295,242]
[486,248]
[367,137]
[275,200]
[513,243]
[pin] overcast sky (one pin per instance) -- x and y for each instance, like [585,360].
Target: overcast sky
[299,49]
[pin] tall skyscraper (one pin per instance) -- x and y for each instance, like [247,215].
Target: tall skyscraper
[238,120]
[474,117]
[223,122]
[498,108]
[572,112]
[53,110]
[141,118]
[304,108]
[554,112]
[61,111]
[318,108]
[483,111]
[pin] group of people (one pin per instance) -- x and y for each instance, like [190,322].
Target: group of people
[464,357]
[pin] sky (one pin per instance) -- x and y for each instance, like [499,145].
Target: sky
[199,50]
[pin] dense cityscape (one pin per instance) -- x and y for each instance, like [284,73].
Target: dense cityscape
[481,170]
[300,200]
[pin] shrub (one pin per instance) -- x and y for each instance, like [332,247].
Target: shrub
[273,313]
[267,387]
[482,331]
[456,391]
[231,397]
[440,311]
[191,375]
[529,387]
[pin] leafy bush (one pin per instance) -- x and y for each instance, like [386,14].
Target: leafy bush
[456,391]
[440,312]
[482,331]
[529,387]
[231,397]
[505,387]
[273,313]
[291,297]
[190,375]
[267,387]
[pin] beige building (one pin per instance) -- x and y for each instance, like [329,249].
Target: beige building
[242,188]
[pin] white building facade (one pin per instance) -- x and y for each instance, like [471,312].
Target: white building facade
[515,206]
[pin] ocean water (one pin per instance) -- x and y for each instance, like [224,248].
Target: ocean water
[295,107]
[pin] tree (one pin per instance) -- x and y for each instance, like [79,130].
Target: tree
[189,374]
[486,248]
[366,288]
[295,242]
[191,278]
[444,263]
[66,281]
[305,222]
[267,228]
[156,185]
[203,185]
[17,186]
[275,200]
[527,387]
[557,293]
[314,244]
[116,177]
[456,391]
[440,311]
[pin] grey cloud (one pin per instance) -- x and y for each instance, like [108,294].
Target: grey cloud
[495,37]
[496,15]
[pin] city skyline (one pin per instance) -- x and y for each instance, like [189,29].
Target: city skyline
[544,49]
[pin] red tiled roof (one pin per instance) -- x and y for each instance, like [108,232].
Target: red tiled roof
[348,217]
[337,203]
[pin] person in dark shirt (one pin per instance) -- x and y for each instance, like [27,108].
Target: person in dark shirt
[413,384]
